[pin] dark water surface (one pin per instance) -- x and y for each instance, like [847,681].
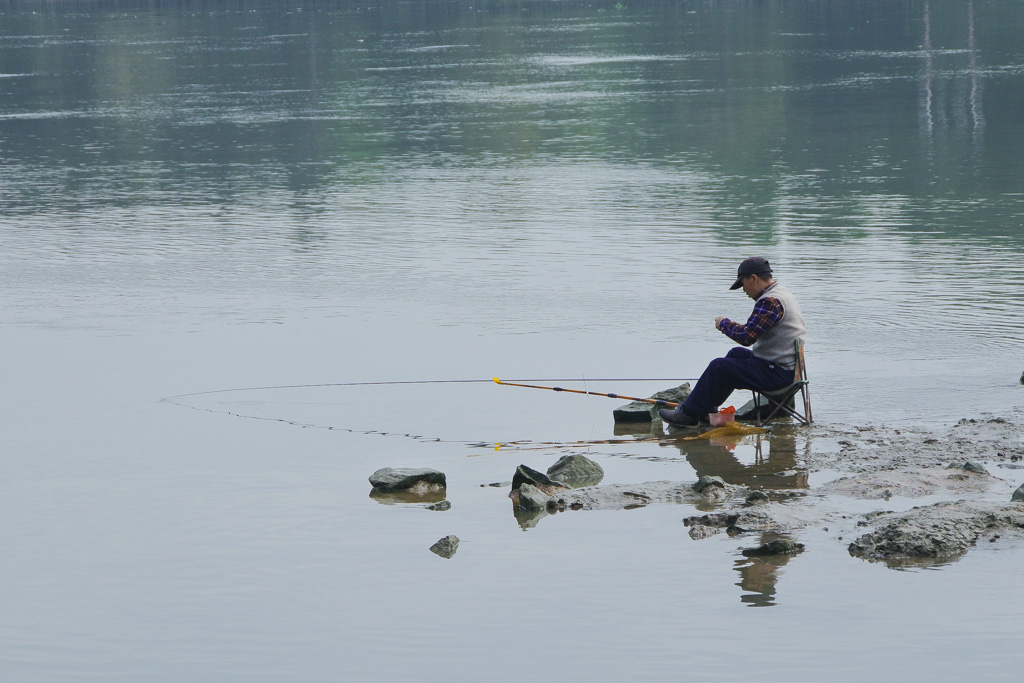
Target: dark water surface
[205,196]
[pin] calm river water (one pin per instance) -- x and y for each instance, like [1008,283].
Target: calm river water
[232,197]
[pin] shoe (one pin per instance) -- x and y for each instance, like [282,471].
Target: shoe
[677,418]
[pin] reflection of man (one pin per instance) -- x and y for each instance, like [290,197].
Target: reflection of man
[759,576]
[771,330]
[778,470]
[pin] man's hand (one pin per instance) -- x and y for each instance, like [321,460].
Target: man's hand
[718,322]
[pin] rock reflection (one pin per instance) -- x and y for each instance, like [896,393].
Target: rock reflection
[641,429]
[527,519]
[425,498]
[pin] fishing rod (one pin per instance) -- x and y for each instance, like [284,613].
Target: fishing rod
[655,401]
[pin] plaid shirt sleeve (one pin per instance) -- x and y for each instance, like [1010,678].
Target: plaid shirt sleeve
[767,312]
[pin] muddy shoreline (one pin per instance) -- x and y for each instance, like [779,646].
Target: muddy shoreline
[939,492]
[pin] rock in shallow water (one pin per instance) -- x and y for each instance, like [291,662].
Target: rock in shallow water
[757,498]
[446,547]
[707,481]
[576,471]
[639,411]
[1018,495]
[528,475]
[699,531]
[391,479]
[778,546]
[532,499]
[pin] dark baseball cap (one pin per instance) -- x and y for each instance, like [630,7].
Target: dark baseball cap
[755,265]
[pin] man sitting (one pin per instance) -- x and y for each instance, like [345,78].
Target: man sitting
[771,330]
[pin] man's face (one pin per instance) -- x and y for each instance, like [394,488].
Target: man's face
[752,286]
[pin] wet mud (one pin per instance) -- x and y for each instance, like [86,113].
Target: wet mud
[939,491]
[941,531]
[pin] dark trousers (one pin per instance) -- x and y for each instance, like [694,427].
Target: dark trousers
[740,369]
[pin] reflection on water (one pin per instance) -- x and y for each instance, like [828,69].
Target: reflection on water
[759,576]
[759,462]
[421,499]
[951,94]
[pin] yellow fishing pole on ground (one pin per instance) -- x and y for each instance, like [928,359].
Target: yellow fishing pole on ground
[655,401]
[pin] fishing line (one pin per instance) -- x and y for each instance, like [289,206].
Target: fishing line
[590,404]
[428,381]
[511,446]
[520,445]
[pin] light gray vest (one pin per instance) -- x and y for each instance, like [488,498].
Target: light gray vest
[776,345]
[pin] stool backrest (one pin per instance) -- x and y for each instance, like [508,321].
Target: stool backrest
[800,374]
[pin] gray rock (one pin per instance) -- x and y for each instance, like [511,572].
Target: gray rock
[528,475]
[751,519]
[757,498]
[699,531]
[706,481]
[748,412]
[532,499]
[390,479]
[1018,495]
[446,547]
[440,506]
[778,546]
[751,411]
[975,467]
[576,471]
[639,411]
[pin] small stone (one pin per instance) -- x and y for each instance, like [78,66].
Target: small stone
[699,531]
[721,520]
[446,547]
[758,498]
[527,475]
[390,479]
[706,481]
[441,506]
[1018,495]
[968,466]
[576,471]
[778,546]
[532,499]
